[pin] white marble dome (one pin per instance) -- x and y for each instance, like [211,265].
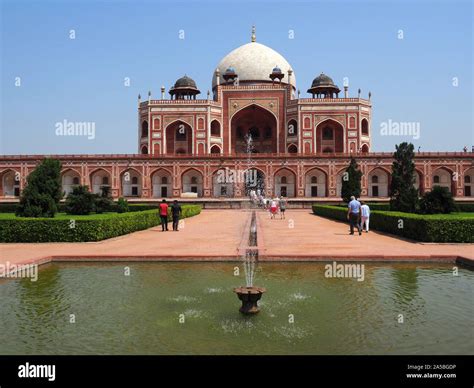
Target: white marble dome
[254,62]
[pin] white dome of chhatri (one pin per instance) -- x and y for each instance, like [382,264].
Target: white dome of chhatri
[254,62]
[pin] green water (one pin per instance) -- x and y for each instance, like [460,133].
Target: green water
[140,313]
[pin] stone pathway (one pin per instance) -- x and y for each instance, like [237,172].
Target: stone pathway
[305,235]
[212,234]
[220,235]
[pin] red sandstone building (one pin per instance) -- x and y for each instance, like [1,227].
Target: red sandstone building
[299,147]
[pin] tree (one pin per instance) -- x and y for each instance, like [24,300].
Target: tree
[438,200]
[103,202]
[351,182]
[42,194]
[404,196]
[80,201]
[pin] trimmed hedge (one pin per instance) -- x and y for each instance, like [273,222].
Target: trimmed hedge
[432,228]
[461,207]
[465,207]
[379,206]
[134,207]
[373,206]
[101,227]
[8,207]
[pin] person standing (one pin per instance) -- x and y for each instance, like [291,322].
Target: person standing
[353,214]
[365,216]
[164,215]
[176,213]
[273,208]
[282,207]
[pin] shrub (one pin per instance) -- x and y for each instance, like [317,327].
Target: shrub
[122,205]
[95,228]
[80,201]
[42,194]
[437,228]
[103,203]
[438,200]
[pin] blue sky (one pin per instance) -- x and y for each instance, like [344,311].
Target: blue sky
[82,79]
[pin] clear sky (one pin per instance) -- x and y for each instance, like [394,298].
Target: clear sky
[48,77]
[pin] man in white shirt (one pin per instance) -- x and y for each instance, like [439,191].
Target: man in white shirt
[365,216]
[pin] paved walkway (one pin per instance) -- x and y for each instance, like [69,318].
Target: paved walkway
[213,233]
[222,234]
[304,235]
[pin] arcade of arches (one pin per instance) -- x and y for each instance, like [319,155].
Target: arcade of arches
[314,182]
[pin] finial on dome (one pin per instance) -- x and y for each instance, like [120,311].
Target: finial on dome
[254,37]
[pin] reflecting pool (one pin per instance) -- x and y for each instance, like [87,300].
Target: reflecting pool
[189,308]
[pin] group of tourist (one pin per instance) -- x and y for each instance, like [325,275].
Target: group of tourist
[358,214]
[175,213]
[274,206]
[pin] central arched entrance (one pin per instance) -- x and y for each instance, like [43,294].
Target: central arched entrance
[254,180]
[260,124]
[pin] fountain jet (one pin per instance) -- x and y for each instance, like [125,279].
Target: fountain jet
[250,294]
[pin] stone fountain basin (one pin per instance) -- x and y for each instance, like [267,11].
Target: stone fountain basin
[249,297]
[250,290]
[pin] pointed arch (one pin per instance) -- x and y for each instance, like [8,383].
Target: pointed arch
[284,180]
[216,128]
[162,182]
[292,148]
[445,178]
[316,182]
[468,182]
[70,178]
[192,181]
[329,136]
[9,183]
[131,184]
[216,149]
[99,178]
[378,181]
[364,126]
[178,136]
